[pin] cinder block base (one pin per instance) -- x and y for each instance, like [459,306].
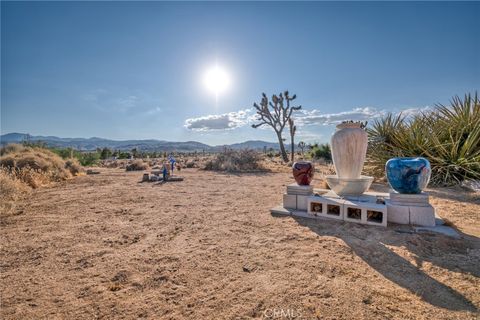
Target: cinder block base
[302,203]
[422,216]
[366,213]
[325,207]
[398,214]
[353,212]
[290,201]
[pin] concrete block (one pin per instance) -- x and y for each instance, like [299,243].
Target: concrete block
[315,205]
[333,209]
[299,190]
[302,203]
[289,201]
[398,214]
[422,216]
[365,213]
[376,214]
[417,200]
[352,212]
[325,207]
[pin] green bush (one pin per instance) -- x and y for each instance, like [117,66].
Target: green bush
[321,151]
[448,136]
[88,158]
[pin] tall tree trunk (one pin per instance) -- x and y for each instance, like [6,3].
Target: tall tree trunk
[282,147]
[293,148]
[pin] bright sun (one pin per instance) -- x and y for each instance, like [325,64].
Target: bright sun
[217,80]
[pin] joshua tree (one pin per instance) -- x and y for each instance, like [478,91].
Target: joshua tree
[293,130]
[276,117]
[302,146]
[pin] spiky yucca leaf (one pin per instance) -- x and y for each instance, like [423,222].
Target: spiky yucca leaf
[448,136]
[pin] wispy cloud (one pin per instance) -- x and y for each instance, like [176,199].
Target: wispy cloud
[316,117]
[226,121]
[413,111]
[307,136]
[238,119]
[106,101]
[153,111]
[233,120]
[131,104]
[126,103]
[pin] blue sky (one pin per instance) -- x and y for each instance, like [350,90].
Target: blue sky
[130,70]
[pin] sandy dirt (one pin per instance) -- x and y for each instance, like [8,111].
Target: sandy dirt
[108,247]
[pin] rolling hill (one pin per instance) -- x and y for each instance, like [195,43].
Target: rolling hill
[88,144]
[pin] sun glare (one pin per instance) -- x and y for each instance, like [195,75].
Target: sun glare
[216,80]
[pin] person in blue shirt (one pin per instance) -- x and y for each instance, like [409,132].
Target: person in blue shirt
[172,162]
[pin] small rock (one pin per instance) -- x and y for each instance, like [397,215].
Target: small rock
[247,268]
[471,185]
[367,300]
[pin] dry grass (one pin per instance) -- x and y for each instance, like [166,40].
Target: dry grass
[23,168]
[137,165]
[236,161]
[11,190]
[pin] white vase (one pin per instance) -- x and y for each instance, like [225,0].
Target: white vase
[349,148]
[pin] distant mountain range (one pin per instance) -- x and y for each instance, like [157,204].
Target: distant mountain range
[89,144]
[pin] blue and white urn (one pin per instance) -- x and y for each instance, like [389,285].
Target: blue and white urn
[408,175]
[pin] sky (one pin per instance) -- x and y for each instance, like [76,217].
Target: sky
[136,70]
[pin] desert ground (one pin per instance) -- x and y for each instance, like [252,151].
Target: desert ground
[108,247]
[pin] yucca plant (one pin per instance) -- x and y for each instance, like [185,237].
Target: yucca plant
[448,136]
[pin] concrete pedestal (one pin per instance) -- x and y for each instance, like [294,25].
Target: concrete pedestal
[367,208]
[362,209]
[413,209]
[297,197]
[299,190]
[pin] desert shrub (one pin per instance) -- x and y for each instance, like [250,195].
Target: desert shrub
[137,165]
[74,166]
[235,161]
[36,166]
[448,136]
[11,148]
[321,151]
[191,164]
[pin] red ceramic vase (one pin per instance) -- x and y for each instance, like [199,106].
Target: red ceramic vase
[303,172]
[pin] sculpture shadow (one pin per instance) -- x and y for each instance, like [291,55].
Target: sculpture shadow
[370,244]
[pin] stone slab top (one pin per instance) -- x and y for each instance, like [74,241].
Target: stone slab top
[369,196]
[366,205]
[399,198]
[296,186]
